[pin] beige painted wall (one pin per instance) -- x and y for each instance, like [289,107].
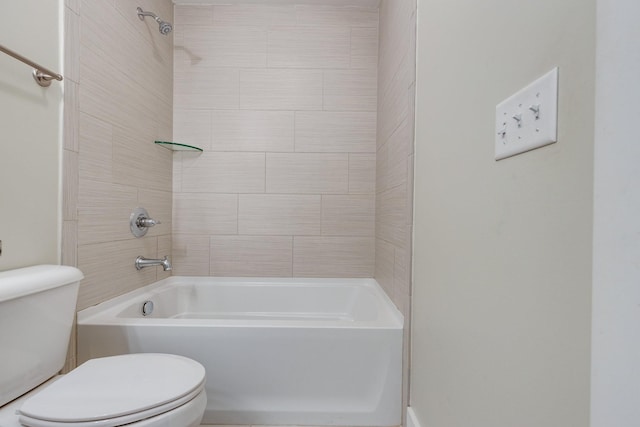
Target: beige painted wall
[30,140]
[119,102]
[502,283]
[283,101]
[615,356]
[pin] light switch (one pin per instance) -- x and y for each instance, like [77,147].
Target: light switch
[528,119]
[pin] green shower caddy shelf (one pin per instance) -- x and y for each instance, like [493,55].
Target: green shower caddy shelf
[174,146]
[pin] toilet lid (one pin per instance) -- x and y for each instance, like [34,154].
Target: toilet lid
[130,387]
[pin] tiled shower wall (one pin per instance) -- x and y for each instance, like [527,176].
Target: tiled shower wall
[118,100]
[283,101]
[394,165]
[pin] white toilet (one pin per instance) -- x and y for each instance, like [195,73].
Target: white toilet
[37,306]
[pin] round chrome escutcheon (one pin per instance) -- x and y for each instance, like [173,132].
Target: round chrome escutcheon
[147,308]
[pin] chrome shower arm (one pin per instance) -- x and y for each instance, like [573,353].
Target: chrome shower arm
[142,14]
[164,27]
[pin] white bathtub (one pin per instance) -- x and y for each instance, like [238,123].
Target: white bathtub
[276,351]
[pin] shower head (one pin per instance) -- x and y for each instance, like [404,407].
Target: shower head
[164,27]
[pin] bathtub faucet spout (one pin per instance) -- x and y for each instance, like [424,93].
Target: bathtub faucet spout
[142,262]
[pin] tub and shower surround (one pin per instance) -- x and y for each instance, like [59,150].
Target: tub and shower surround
[276,351]
[118,100]
[118,78]
[283,100]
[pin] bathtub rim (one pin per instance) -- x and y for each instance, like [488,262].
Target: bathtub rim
[105,313]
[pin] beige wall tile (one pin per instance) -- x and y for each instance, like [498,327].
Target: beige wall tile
[183,57]
[307,173]
[384,269]
[334,132]
[74,5]
[411,119]
[71,135]
[136,159]
[192,127]
[352,215]
[177,169]
[362,173]
[98,195]
[116,40]
[333,256]
[394,172]
[204,213]
[253,130]
[393,106]
[393,233]
[193,15]
[273,214]
[411,50]
[236,46]
[90,95]
[314,47]
[321,16]
[402,271]
[71,43]
[336,147]
[393,158]
[382,167]
[394,141]
[391,205]
[364,48]
[252,256]
[218,172]
[70,186]
[109,269]
[70,243]
[350,90]
[396,74]
[96,151]
[254,15]
[190,255]
[410,188]
[280,89]
[104,210]
[396,28]
[393,245]
[206,88]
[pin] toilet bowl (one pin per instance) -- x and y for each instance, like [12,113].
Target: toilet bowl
[136,390]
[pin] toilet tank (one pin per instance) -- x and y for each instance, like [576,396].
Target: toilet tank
[37,306]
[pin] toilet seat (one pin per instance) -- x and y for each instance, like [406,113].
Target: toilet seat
[114,391]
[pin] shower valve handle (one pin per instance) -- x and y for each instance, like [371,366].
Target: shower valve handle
[140,222]
[146,222]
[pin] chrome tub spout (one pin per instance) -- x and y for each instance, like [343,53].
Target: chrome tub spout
[142,262]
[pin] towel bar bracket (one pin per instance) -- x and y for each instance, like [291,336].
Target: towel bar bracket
[41,75]
[43,79]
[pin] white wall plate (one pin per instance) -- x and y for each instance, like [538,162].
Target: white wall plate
[529,118]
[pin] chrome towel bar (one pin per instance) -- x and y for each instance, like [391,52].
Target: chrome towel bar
[41,75]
